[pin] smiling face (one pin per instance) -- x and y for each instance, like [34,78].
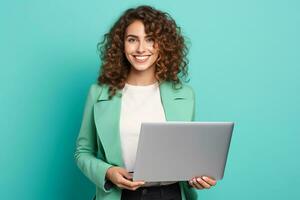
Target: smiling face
[140,50]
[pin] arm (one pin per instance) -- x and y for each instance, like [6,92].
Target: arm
[86,146]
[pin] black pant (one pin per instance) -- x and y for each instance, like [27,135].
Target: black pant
[164,192]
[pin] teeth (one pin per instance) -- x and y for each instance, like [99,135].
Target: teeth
[141,58]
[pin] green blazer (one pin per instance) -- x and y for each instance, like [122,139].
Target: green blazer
[98,144]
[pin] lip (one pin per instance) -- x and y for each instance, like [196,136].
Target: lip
[142,59]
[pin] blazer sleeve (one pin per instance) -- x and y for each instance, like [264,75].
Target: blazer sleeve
[93,167]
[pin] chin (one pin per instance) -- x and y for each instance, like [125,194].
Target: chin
[141,67]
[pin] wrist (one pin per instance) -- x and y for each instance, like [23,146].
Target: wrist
[108,173]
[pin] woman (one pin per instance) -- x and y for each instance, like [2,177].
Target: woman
[142,57]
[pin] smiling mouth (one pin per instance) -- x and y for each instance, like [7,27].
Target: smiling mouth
[141,59]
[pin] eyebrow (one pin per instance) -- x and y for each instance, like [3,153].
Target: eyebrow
[132,36]
[135,36]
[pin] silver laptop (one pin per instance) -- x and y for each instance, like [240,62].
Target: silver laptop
[179,151]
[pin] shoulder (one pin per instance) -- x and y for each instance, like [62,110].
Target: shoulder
[187,90]
[96,88]
[178,91]
[95,91]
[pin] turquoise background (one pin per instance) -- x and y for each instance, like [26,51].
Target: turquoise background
[244,66]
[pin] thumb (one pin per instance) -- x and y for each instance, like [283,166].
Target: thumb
[126,174]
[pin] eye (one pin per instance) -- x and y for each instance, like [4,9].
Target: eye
[150,40]
[131,40]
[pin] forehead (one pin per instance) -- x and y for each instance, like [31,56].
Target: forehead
[136,28]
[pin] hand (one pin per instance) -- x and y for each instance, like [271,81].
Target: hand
[203,182]
[119,176]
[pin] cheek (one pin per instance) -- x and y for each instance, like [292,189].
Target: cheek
[129,48]
[126,49]
[154,49]
[155,53]
[156,57]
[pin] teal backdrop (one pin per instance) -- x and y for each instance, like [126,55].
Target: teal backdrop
[244,65]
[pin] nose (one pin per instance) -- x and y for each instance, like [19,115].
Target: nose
[141,47]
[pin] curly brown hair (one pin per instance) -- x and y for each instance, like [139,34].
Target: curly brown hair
[172,62]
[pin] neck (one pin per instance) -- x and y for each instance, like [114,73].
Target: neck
[146,77]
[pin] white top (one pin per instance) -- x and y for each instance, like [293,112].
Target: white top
[139,104]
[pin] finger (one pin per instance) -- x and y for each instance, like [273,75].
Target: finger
[209,180]
[124,187]
[196,185]
[203,183]
[135,188]
[131,184]
[125,173]
[128,188]
[125,184]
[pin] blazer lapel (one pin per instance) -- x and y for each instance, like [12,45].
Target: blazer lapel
[107,117]
[177,104]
